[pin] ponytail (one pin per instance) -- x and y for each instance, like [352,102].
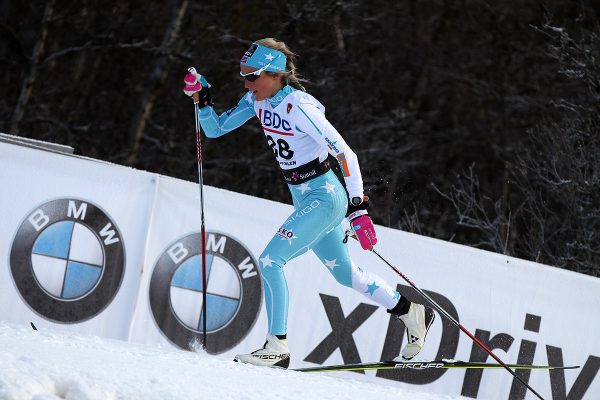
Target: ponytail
[290,76]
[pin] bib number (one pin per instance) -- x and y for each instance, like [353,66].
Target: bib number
[281,148]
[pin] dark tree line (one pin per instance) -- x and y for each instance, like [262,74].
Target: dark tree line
[474,121]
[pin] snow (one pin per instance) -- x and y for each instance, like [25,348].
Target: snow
[51,364]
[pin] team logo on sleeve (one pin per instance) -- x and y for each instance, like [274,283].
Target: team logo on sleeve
[343,164]
[331,145]
[67,260]
[233,292]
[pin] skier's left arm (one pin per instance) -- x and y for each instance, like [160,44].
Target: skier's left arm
[312,121]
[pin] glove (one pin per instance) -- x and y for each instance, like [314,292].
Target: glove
[196,83]
[361,224]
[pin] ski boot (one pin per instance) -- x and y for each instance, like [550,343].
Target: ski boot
[417,319]
[274,353]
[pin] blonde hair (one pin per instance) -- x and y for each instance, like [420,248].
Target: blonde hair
[290,76]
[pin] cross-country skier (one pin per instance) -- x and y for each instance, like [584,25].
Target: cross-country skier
[301,137]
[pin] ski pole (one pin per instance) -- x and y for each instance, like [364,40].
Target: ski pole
[450,318]
[202,228]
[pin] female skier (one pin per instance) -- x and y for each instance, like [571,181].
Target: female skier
[301,138]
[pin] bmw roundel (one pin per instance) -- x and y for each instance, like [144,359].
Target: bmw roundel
[67,260]
[233,292]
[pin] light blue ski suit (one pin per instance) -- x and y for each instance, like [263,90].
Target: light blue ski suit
[296,129]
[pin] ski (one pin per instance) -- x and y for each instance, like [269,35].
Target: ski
[422,365]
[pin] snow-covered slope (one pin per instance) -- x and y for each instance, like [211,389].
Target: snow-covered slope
[51,365]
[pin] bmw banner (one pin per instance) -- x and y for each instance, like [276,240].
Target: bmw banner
[170,302]
[73,253]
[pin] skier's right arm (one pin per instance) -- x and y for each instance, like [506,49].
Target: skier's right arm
[218,125]
[215,125]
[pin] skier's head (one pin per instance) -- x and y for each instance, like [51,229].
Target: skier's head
[273,64]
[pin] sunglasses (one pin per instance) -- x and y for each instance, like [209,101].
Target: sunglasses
[252,76]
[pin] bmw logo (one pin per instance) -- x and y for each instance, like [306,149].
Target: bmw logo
[67,260]
[233,292]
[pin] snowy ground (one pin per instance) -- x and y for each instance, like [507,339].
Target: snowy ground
[51,365]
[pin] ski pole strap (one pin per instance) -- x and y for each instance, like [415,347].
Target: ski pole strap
[306,172]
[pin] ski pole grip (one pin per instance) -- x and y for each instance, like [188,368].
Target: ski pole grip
[195,96]
[199,78]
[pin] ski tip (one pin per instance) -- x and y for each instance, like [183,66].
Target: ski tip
[33,326]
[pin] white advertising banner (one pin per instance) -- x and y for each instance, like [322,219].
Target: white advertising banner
[169,307]
[64,218]
[72,236]
[525,312]
[513,306]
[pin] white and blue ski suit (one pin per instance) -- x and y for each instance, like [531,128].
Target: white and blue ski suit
[301,137]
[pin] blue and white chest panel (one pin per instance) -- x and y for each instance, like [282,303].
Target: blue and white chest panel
[291,145]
